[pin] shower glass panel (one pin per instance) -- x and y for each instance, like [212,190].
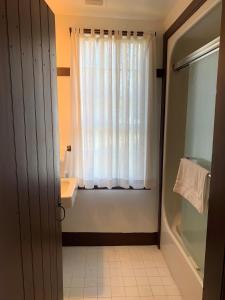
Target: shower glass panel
[198,144]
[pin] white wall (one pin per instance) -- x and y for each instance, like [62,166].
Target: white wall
[103,210]
[113,211]
[176,12]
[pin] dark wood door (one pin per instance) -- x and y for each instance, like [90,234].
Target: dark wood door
[214,280]
[30,234]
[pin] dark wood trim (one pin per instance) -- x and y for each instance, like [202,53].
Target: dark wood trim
[187,13]
[113,188]
[214,278]
[108,239]
[63,71]
[160,73]
[223,278]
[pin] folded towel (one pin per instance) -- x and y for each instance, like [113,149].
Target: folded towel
[192,183]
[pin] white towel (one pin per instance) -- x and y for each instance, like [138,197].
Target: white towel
[192,183]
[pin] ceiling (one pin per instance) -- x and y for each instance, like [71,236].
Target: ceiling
[154,10]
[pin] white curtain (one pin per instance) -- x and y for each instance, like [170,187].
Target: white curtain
[113,110]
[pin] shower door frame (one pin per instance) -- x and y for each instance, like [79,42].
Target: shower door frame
[214,278]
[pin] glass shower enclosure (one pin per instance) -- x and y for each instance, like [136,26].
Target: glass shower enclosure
[202,77]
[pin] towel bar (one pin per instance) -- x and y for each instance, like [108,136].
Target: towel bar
[193,158]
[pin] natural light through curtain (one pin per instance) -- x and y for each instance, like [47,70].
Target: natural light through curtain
[112,91]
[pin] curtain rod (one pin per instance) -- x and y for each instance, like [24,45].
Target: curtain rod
[97,31]
[202,52]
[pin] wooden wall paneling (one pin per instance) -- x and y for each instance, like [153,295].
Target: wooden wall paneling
[31,144]
[41,145]
[52,39]
[11,274]
[49,145]
[20,143]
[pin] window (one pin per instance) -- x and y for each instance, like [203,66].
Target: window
[111,82]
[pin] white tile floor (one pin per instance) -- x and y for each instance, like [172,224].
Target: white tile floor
[117,273]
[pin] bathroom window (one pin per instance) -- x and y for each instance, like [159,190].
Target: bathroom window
[112,90]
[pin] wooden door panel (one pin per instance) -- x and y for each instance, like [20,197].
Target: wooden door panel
[223,279]
[49,145]
[20,143]
[11,272]
[41,145]
[31,144]
[30,235]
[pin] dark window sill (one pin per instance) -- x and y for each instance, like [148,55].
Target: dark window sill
[114,188]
